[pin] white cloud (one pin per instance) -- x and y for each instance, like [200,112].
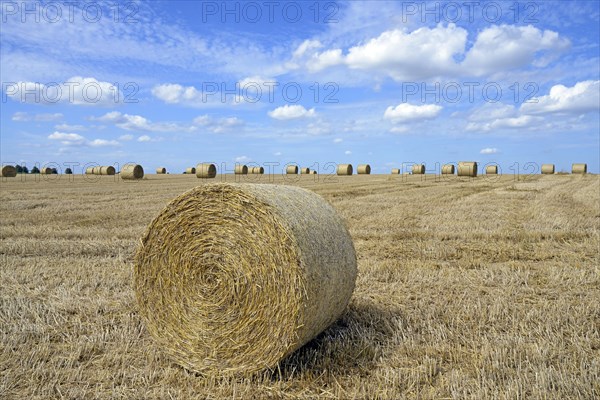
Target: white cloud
[144,138]
[76,90]
[520,122]
[103,143]
[277,153]
[203,120]
[338,140]
[489,150]
[66,138]
[504,47]
[67,127]
[580,98]
[399,129]
[126,137]
[243,159]
[44,117]
[138,123]
[287,112]
[405,112]
[347,152]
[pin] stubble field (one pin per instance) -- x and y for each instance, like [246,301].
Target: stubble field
[467,288]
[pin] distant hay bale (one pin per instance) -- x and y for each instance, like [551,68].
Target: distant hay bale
[46,171]
[257,170]
[96,170]
[579,169]
[132,171]
[448,169]
[313,172]
[395,171]
[548,169]
[363,169]
[305,171]
[467,168]
[161,170]
[241,169]
[190,170]
[418,169]
[344,169]
[89,171]
[491,170]
[8,171]
[206,170]
[291,170]
[107,170]
[218,303]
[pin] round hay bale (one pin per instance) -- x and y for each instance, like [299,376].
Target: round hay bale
[89,171]
[547,169]
[96,170]
[161,170]
[363,169]
[132,171]
[418,169]
[46,171]
[206,171]
[467,168]
[241,169]
[108,170]
[313,172]
[190,170]
[491,170]
[579,169]
[257,170]
[219,303]
[8,171]
[448,169]
[291,170]
[305,171]
[344,169]
[395,171]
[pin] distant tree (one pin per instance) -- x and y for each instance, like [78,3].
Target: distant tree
[35,170]
[68,171]
[25,170]
[19,169]
[54,171]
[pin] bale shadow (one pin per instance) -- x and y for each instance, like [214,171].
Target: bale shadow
[354,343]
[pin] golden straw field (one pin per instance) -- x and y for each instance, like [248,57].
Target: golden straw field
[484,287]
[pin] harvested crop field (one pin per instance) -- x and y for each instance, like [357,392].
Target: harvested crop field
[483,287]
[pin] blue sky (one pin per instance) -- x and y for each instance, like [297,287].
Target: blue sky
[387,83]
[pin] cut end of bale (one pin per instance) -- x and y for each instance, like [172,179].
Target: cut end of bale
[161,170]
[418,169]
[8,171]
[219,303]
[305,171]
[241,169]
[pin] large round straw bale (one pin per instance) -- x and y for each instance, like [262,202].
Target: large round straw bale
[217,302]
[363,169]
[46,171]
[547,169]
[305,171]
[448,169]
[241,169]
[89,171]
[579,169]
[8,171]
[467,168]
[257,170]
[291,169]
[418,169]
[161,170]
[96,170]
[132,171]
[491,170]
[190,170]
[206,170]
[344,169]
[108,170]
[313,172]
[395,171]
